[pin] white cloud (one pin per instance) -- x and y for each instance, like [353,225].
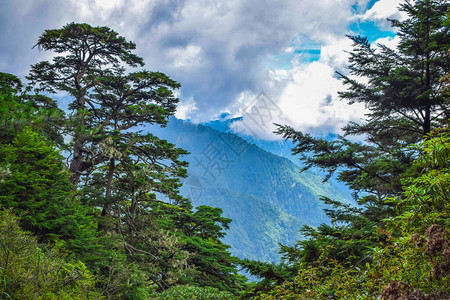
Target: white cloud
[307,95]
[189,57]
[310,99]
[107,4]
[218,50]
[335,53]
[383,10]
[390,42]
[186,109]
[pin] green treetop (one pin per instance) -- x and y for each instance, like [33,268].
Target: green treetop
[91,70]
[402,90]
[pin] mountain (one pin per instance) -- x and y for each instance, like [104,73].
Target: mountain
[278,147]
[281,148]
[265,195]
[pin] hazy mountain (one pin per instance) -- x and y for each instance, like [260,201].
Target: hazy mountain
[265,195]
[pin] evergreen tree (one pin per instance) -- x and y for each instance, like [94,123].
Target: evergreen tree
[89,53]
[20,109]
[148,232]
[402,95]
[213,263]
[402,90]
[413,263]
[36,185]
[33,179]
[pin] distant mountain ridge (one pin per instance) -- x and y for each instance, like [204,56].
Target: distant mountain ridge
[265,195]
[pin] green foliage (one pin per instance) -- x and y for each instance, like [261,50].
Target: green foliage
[270,273]
[149,236]
[427,196]
[106,101]
[31,271]
[412,264]
[214,265]
[35,176]
[402,95]
[396,243]
[19,109]
[133,230]
[423,218]
[36,185]
[90,49]
[126,220]
[117,276]
[191,292]
[157,252]
[328,280]
[401,83]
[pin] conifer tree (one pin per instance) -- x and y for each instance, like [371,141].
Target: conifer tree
[93,57]
[33,179]
[21,109]
[401,89]
[404,92]
[152,234]
[35,185]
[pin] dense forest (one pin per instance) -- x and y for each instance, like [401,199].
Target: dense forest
[91,205]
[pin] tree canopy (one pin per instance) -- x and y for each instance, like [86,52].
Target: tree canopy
[115,208]
[358,252]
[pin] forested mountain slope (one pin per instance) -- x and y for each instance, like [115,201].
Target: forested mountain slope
[265,195]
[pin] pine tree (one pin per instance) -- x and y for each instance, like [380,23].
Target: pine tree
[33,179]
[152,234]
[214,265]
[401,89]
[37,187]
[21,109]
[89,53]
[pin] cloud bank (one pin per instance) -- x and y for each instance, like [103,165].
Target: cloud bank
[220,51]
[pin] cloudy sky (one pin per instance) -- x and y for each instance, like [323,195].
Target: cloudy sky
[224,53]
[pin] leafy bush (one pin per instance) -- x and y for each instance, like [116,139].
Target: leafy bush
[191,292]
[32,271]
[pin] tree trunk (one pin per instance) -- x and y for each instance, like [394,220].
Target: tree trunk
[108,192]
[427,120]
[76,165]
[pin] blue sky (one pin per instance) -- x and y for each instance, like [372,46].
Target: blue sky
[224,53]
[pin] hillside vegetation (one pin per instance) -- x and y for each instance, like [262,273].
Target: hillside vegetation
[395,244]
[108,220]
[267,197]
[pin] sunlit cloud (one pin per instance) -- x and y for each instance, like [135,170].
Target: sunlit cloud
[224,53]
[383,10]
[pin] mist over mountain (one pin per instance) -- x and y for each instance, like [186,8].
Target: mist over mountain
[265,195]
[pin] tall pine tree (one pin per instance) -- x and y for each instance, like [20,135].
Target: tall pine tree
[148,232]
[401,89]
